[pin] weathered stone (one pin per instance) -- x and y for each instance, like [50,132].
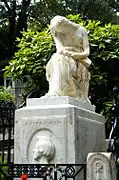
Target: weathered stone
[74,131]
[100,166]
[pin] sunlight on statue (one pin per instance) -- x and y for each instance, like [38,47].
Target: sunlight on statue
[67,70]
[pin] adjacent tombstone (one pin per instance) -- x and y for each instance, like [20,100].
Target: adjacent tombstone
[100,166]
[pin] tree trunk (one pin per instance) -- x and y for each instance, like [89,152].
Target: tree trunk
[12,20]
[22,20]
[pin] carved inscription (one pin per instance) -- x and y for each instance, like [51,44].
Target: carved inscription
[99,170]
[46,122]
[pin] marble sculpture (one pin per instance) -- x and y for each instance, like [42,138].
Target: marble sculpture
[67,70]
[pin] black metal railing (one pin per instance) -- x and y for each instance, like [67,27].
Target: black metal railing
[44,171]
[7,110]
[113,145]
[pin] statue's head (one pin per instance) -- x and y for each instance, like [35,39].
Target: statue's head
[60,24]
[57,20]
[44,149]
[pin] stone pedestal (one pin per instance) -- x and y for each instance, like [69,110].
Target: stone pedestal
[71,127]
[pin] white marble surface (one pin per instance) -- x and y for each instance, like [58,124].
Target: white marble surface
[101,166]
[67,70]
[51,102]
[74,132]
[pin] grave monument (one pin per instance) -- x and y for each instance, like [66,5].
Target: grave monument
[101,166]
[62,126]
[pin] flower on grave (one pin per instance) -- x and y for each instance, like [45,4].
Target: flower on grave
[24,177]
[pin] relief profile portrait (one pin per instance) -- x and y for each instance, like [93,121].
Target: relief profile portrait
[44,149]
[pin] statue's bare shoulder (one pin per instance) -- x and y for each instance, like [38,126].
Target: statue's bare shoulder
[81,30]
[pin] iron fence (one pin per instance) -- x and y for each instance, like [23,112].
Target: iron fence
[113,145]
[44,171]
[7,110]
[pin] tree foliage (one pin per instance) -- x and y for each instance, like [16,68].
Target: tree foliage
[16,15]
[4,169]
[104,11]
[13,20]
[5,95]
[29,62]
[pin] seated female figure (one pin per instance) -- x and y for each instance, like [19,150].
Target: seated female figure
[67,70]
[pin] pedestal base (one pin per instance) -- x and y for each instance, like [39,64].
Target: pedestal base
[73,127]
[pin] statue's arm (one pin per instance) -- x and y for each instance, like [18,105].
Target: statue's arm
[83,56]
[85,46]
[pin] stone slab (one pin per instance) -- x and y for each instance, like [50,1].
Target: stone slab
[61,100]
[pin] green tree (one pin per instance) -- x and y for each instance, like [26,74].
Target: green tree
[97,10]
[43,11]
[104,11]
[29,62]
[3,168]
[13,17]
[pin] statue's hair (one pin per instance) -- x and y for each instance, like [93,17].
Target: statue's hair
[46,145]
[61,20]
